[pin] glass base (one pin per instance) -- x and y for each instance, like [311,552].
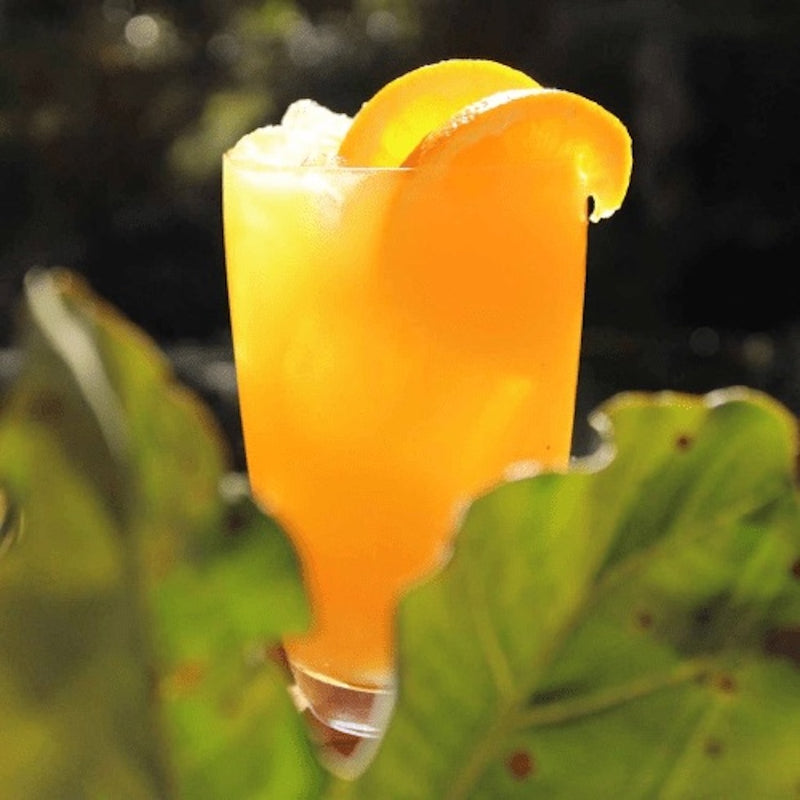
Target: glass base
[356,710]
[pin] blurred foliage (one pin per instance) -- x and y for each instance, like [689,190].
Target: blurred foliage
[139,601]
[630,628]
[114,114]
[613,627]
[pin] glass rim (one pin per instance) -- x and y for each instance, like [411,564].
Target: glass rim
[250,164]
[255,165]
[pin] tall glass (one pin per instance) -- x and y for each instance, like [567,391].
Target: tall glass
[402,337]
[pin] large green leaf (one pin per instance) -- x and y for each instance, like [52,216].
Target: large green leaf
[137,604]
[627,630]
[611,633]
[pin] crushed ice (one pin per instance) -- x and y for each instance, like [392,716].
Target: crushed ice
[308,135]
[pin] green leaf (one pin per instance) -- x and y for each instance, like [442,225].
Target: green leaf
[75,689]
[629,629]
[612,632]
[136,609]
[234,730]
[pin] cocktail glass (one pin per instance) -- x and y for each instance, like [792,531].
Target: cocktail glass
[402,338]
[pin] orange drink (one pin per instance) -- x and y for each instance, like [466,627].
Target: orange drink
[403,336]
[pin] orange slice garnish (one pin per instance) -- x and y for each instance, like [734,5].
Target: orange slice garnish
[391,124]
[527,125]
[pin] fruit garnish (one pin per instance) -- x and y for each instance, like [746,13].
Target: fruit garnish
[528,125]
[391,124]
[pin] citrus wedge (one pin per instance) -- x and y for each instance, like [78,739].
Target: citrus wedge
[391,124]
[526,125]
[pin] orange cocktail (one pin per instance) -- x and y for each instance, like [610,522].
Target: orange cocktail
[402,337]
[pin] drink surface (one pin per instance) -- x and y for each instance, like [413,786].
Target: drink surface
[401,338]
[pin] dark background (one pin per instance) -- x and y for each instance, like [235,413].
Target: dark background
[114,115]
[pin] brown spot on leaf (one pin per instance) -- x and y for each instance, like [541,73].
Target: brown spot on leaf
[236,522]
[713,748]
[796,569]
[644,619]
[185,679]
[726,683]
[520,764]
[784,643]
[684,441]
